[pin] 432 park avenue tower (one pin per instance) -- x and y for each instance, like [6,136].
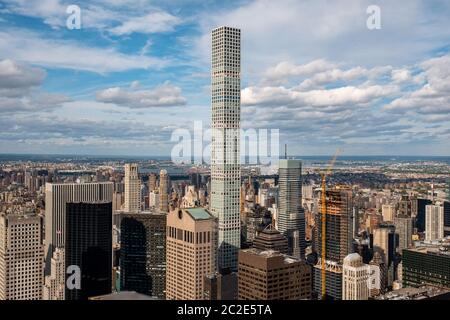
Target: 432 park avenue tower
[225,154]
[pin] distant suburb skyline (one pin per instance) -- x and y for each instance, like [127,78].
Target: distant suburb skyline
[138,70]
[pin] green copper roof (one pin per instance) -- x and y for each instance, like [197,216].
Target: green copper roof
[199,213]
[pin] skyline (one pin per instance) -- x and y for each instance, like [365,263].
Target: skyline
[239,153]
[168,157]
[122,83]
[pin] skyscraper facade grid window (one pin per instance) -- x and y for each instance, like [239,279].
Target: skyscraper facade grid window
[225,144]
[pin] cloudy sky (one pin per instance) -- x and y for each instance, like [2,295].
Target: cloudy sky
[139,69]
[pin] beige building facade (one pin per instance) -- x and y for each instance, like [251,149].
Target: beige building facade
[21,257]
[132,188]
[190,252]
[355,282]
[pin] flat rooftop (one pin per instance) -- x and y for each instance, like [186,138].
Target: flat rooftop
[413,293]
[440,247]
[124,295]
[271,253]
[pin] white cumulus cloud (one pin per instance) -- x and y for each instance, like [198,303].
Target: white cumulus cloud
[165,95]
[154,22]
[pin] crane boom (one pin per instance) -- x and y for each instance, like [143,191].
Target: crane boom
[332,162]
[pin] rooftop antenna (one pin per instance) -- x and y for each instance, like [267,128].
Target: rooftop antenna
[285,151]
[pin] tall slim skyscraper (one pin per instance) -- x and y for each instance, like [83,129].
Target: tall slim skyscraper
[163,191]
[291,216]
[57,195]
[225,141]
[132,188]
[143,253]
[21,257]
[434,222]
[89,246]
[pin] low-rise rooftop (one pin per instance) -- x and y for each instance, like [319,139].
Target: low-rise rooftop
[420,293]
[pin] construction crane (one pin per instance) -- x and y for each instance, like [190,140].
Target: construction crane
[324,175]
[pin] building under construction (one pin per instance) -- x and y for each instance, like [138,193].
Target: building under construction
[338,240]
[333,280]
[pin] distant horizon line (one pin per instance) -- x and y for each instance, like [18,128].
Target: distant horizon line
[168,156]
